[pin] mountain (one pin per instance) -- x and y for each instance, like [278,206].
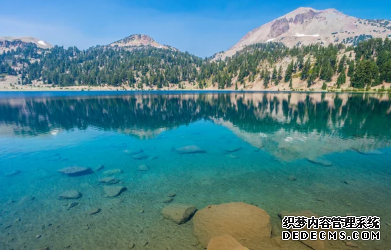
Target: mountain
[138,40]
[305,26]
[8,43]
[265,58]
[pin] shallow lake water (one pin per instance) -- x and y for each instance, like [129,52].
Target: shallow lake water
[259,149]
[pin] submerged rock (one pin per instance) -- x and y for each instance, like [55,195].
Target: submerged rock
[113,191]
[320,161]
[26,199]
[70,194]
[179,213]
[143,168]
[140,156]
[75,171]
[192,149]
[246,223]
[168,200]
[131,152]
[72,204]
[232,156]
[13,173]
[292,178]
[113,172]
[42,173]
[369,152]
[101,167]
[108,180]
[233,149]
[95,211]
[225,242]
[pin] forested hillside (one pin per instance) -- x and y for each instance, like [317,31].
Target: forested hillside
[265,66]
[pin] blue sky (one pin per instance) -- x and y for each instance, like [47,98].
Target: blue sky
[201,27]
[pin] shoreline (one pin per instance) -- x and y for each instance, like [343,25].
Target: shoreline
[298,86]
[192,90]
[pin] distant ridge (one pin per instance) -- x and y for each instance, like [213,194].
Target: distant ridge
[14,42]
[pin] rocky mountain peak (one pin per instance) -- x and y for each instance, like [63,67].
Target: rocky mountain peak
[304,26]
[299,11]
[138,40]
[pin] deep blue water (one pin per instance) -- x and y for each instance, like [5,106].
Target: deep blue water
[274,133]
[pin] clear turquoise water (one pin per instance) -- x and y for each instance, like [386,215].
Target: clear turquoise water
[41,133]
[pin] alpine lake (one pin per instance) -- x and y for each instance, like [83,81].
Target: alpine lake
[328,153]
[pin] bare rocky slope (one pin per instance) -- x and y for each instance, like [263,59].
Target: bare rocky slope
[305,26]
[138,40]
[8,42]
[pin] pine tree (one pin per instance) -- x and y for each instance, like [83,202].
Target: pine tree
[351,69]
[365,73]
[266,79]
[275,76]
[306,69]
[386,71]
[327,72]
[288,72]
[377,81]
[341,65]
[341,78]
[200,85]
[279,77]
[311,80]
[300,62]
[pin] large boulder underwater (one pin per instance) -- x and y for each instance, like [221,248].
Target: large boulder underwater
[241,226]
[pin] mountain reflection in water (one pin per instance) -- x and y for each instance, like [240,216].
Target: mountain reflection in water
[290,125]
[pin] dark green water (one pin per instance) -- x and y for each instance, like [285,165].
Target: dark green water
[274,135]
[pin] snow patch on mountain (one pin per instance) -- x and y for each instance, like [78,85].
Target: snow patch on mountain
[301,35]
